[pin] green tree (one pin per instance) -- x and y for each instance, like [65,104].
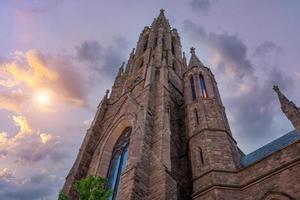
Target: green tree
[62,196]
[92,188]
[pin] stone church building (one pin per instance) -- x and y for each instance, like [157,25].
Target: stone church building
[162,134]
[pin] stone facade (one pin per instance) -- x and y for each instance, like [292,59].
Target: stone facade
[181,145]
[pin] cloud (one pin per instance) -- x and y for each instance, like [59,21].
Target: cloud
[90,51]
[25,129]
[201,6]
[29,72]
[6,173]
[251,104]
[37,186]
[38,7]
[11,98]
[266,48]
[3,153]
[37,150]
[29,146]
[297,75]
[45,137]
[229,51]
[103,59]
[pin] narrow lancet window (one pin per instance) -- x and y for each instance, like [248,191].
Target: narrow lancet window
[193,88]
[196,116]
[173,66]
[141,64]
[173,47]
[201,161]
[203,86]
[118,163]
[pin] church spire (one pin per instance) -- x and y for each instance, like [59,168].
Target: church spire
[282,98]
[161,20]
[288,107]
[194,61]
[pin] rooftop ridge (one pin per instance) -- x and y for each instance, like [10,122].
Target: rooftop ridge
[270,148]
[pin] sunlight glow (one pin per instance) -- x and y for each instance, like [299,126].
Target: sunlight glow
[43,97]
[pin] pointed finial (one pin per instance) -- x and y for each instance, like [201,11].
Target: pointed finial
[132,52]
[161,21]
[183,55]
[276,88]
[121,69]
[194,60]
[104,99]
[122,66]
[193,50]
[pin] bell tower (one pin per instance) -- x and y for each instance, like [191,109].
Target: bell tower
[162,133]
[147,105]
[212,147]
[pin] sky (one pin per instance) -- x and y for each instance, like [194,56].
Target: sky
[57,58]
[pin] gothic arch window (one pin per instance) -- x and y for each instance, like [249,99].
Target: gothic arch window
[193,87]
[202,86]
[118,163]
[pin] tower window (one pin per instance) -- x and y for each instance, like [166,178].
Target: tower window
[201,160]
[118,163]
[173,47]
[196,116]
[193,87]
[173,67]
[203,86]
[141,64]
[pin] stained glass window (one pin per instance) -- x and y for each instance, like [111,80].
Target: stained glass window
[118,163]
[202,86]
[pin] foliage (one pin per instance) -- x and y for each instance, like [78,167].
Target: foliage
[92,188]
[62,196]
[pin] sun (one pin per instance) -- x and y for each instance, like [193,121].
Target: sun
[43,97]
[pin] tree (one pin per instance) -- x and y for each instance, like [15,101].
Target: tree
[62,196]
[92,188]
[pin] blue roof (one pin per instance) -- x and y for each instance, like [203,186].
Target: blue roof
[270,148]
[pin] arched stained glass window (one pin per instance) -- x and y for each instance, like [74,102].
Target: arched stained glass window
[203,86]
[118,163]
[193,88]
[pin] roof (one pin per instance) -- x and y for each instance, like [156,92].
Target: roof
[194,60]
[270,148]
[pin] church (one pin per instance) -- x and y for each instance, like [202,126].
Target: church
[162,134]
